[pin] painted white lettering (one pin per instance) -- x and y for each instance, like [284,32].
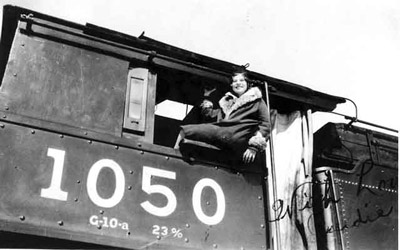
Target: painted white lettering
[168,209]
[92,183]
[113,222]
[54,190]
[125,226]
[94,220]
[196,201]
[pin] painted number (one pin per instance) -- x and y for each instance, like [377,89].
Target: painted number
[169,208]
[165,231]
[105,222]
[160,230]
[54,190]
[196,201]
[119,183]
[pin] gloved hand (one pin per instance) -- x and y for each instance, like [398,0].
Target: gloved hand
[206,104]
[249,155]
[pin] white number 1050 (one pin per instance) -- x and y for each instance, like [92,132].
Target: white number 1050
[54,190]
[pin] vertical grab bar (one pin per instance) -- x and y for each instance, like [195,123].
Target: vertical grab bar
[275,238]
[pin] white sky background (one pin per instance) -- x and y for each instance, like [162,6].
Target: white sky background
[348,48]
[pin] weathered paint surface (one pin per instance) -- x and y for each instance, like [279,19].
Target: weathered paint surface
[71,188]
[368,203]
[63,83]
[357,170]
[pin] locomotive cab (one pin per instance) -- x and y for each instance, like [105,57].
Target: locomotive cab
[88,121]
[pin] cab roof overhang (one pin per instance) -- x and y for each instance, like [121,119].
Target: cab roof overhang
[283,95]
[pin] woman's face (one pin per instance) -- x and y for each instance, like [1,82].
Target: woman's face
[239,84]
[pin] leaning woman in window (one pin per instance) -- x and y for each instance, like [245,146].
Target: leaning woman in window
[242,122]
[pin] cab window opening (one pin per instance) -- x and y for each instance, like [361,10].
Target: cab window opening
[178,96]
[176,101]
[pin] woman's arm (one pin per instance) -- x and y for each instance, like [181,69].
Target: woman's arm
[258,142]
[265,121]
[207,109]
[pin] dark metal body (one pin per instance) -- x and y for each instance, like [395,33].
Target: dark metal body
[357,170]
[26,165]
[63,99]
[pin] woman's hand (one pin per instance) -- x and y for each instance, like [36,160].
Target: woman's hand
[249,155]
[206,104]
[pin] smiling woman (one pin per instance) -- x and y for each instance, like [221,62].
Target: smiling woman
[242,125]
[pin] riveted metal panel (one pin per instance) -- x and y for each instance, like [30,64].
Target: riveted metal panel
[367,202]
[55,81]
[357,171]
[28,165]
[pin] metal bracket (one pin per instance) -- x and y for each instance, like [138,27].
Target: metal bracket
[28,18]
[151,56]
[373,147]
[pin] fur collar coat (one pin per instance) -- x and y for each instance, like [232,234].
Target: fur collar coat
[230,103]
[242,122]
